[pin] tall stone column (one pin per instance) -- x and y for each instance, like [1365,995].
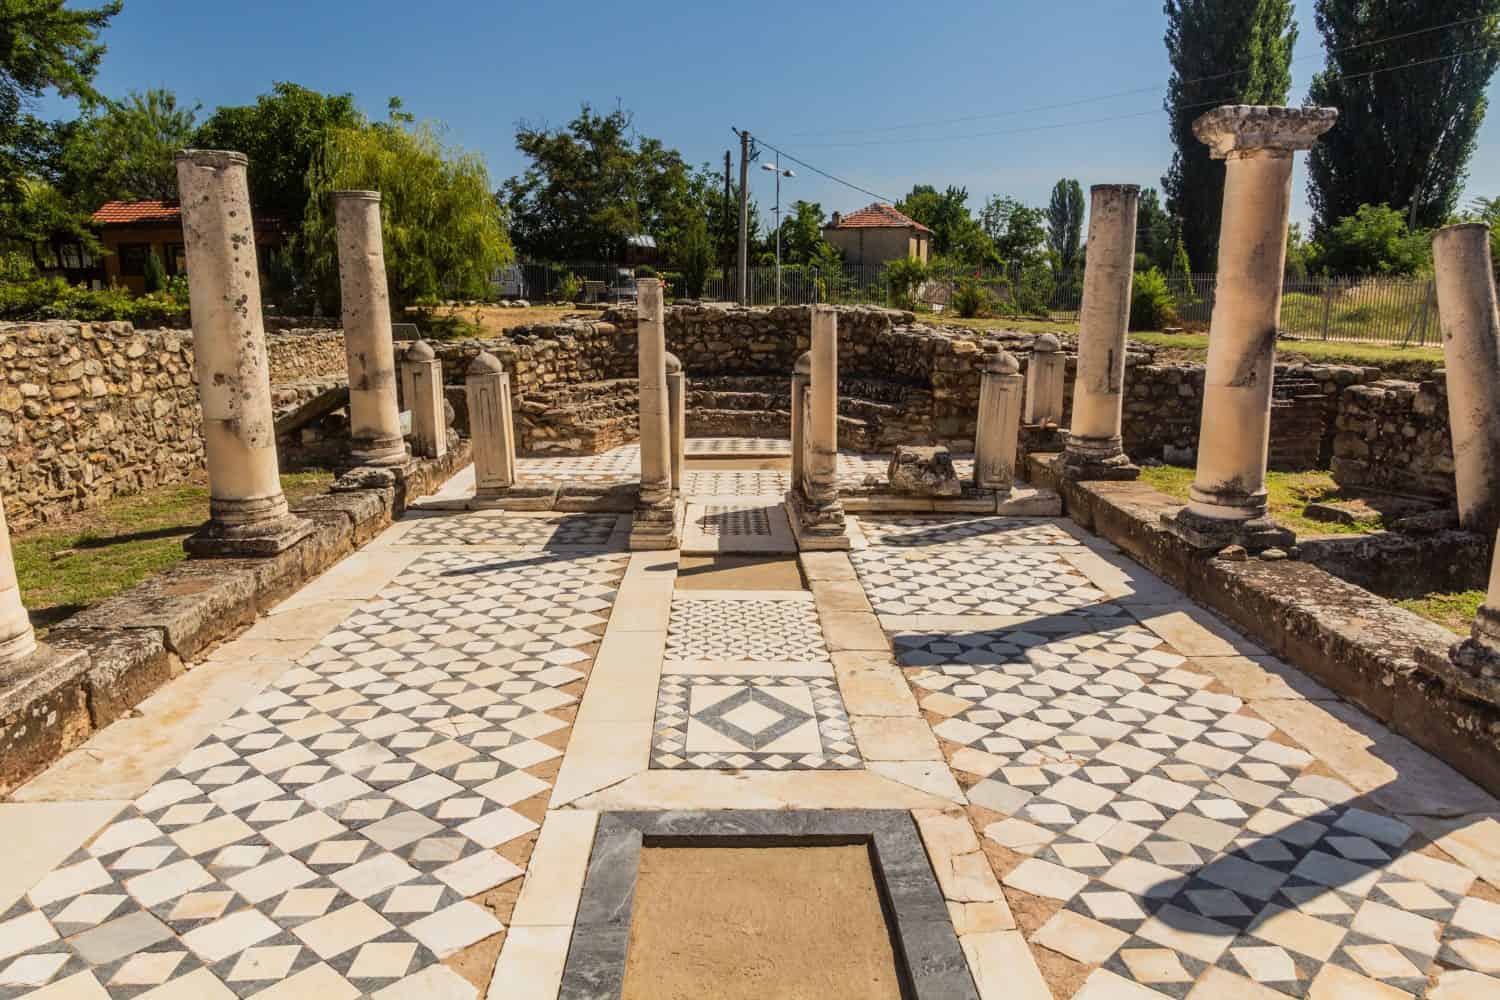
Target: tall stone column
[422,374]
[1094,448]
[1227,501]
[999,428]
[801,375]
[817,515]
[657,524]
[1471,348]
[1045,375]
[493,434]
[374,414]
[17,639]
[677,413]
[248,514]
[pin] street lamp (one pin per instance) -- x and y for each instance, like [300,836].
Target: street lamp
[779,175]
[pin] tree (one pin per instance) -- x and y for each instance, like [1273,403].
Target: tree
[955,233]
[1018,232]
[125,150]
[1374,240]
[1156,233]
[696,257]
[1404,137]
[280,133]
[443,230]
[1222,52]
[1065,223]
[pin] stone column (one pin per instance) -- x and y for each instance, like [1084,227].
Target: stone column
[677,412]
[998,433]
[17,640]
[1094,449]
[1471,348]
[493,434]
[422,374]
[1472,667]
[1228,496]
[656,524]
[374,415]
[1045,374]
[801,375]
[817,515]
[248,514]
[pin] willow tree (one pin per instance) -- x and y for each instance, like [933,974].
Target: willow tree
[1222,52]
[1409,111]
[443,229]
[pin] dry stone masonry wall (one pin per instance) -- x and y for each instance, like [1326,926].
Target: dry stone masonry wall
[1395,437]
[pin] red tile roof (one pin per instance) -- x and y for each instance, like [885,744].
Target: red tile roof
[879,216]
[118,212]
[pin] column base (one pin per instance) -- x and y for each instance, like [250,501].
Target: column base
[1471,667]
[1094,459]
[517,497]
[381,453]
[657,526]
[17,648]
[817,527]
[1210,534]
[216,540]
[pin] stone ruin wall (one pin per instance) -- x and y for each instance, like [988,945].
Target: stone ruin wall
[1394,436]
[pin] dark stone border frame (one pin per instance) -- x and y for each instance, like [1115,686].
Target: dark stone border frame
[929,960]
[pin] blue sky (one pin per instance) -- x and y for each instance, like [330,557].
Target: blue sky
[831,82]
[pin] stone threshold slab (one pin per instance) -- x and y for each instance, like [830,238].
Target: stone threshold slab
[928,956]
[1023,501]
[755,668]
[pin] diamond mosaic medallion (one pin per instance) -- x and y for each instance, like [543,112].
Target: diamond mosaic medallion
[766,722]
[753,630]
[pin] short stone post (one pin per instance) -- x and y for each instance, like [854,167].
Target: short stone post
[999,428]
[801,375]
[817,515]
[1045,375]
[657,524]
[1094,447]
[422,374]
[248,515]
[1227,501]
[677,411]
[1471,348]
[374,414]
[493,434]
[1473,666]
[17,639]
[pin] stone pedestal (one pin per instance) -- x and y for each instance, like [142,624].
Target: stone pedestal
[17,640]
[658,514]
[422,375]
[816,514]
[248,514]
[1045,375]
[493,434]
[677,410]
[1471,348]
[374,414]
[801,375]
[1227,502]
[1094,447]
[997,436]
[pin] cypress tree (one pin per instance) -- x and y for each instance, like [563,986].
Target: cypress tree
[1065,223]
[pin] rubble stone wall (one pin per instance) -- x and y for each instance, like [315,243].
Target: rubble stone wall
[1395,437]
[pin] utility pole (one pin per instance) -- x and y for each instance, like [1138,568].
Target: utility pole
[726,232]
[744,282]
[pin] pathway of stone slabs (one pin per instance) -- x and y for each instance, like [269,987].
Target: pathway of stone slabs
[390,786]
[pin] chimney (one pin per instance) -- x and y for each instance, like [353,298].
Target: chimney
[835,223]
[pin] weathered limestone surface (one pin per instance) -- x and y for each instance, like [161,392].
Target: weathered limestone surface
[1394,435]
[924,471]
[998,432]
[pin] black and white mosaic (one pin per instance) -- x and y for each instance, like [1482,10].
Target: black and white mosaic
[972,580]
[516,531]
[777,631]
[766,722]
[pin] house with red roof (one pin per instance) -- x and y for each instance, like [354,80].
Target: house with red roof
[878,233]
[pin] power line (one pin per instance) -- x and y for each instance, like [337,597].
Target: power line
[1130,93]
[820,170]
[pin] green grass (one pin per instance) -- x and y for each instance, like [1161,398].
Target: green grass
[1289,495]
[1408,361]
[1453,611]
[65,567]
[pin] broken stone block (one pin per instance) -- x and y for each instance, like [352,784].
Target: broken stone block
[924,471]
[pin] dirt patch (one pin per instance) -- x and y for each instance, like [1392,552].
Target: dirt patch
[738,573]
[796,923]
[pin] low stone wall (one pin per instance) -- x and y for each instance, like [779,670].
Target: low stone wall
[1395,437]
[300,354]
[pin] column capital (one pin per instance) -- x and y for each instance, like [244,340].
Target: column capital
[356,196]
[218,159]
[1236,130]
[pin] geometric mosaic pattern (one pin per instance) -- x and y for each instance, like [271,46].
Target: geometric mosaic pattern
[736,482]
[337,828]
[959,529]
[971,580]
[560,531]
[618,465]
[779,723]
[739,519]
[778,631]
[715,446]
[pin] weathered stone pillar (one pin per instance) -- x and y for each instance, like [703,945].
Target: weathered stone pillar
[374,414]
[1472,667]
[1094,449]
[656,524]
[248,514]
[422,374]
[1228,497]
[677,411]
[817,515]
[1471,348]
[17,639]
[490,427]
[1045,374]
[999,428]
[801,375]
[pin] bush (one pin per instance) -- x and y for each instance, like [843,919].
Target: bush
[156,273]
[1374,240]
[901,280]
[1151,304]
[54,298]
[645,271]
[971,299]
[568,288]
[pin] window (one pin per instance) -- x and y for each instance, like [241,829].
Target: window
[74,257]
[176,258]
[133,259]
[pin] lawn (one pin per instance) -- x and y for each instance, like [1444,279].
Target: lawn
[1290,493]
[1415,362]
[66,566]
[1455,611]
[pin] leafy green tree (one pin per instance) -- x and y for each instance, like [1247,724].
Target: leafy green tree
[281,134]
[1487,210]
[955,233]
[1017,232]
[695,256]
[1222,52]
[1065,223]
[1404,138]
[125,149]
[1156,233]
[156,273]
[443,230]
[1374,240]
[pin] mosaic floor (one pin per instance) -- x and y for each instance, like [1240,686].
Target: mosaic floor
[404,806]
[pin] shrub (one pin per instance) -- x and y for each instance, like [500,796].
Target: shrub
[1374,240]
[156,273]
[645,271]
[971,299]
[901,280]
[1151,304]
[54,298]
[568,288]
